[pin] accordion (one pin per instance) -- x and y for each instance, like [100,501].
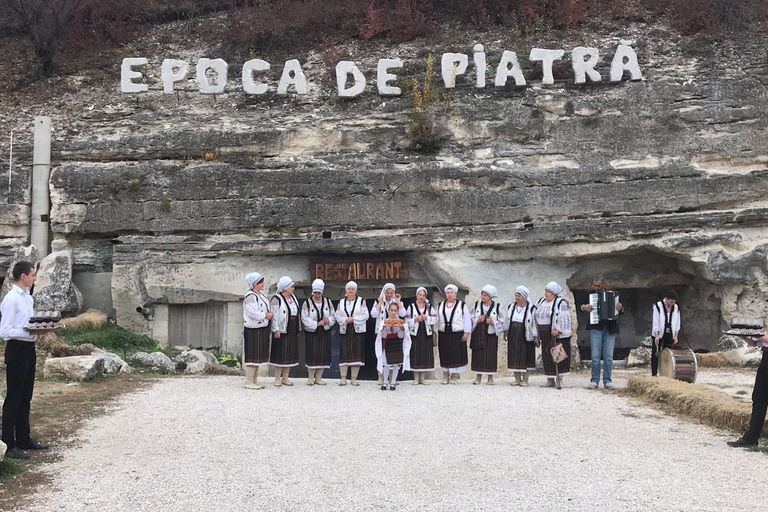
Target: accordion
[603,307]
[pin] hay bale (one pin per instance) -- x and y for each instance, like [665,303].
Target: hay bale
[53,346]
[91,319]
[712,360]
[708,405]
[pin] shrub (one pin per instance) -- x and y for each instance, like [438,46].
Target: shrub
[111,338]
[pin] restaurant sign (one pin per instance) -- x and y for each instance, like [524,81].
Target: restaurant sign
[362,269]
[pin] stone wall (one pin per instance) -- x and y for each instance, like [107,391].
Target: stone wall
[533,184]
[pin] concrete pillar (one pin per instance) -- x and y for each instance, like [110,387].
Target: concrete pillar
[41,199]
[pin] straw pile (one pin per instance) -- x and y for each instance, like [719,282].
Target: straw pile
[713,360]
[91,319]
[52,346]
[703,403]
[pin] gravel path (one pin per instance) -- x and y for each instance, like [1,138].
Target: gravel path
[208,444]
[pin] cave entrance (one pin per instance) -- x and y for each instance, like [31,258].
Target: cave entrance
[641,279]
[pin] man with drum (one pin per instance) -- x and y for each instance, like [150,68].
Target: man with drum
[759,398]
[666,327]
[602,340]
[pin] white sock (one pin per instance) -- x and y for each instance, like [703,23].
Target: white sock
[395,370]
[386,374]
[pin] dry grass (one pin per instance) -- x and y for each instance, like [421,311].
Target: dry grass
[91,319]
[713,360]
[703,403]
[52,346]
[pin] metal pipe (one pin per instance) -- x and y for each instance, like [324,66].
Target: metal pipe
[41,198]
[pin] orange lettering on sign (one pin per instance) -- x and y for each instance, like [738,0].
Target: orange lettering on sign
[369,272]
[390,271]
[352,273]
[337,271]
[398,265]
[319,274]
[379,271]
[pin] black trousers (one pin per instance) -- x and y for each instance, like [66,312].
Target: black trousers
[664,341]
[20,360]
[759,401]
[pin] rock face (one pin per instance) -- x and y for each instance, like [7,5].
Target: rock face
[28,253]
[79,368]
[54,290]
[113,364]
[640,356]
[154,360]
[744,355]
[660,183]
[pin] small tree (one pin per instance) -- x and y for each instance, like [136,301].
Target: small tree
[45,22]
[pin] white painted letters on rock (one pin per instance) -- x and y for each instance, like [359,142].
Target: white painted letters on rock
[128,75]
[293,75]
[219,67]
[172,71]
[383,76]
[585,68]
[453,65]
[343,70]
[249,83]
[547,57]
[480,65]
[509,66]
[619,66]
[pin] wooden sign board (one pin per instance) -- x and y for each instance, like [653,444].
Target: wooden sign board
[364,269]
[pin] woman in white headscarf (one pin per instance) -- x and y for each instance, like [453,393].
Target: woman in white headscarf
[379,310]
[553,317]
[522,335]
[286,324]
[454,325]
[318,316]
[421,319]
[256,317]
[489,322]
[351,315]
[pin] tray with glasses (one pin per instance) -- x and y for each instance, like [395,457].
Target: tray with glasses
[746,327]
[44,321]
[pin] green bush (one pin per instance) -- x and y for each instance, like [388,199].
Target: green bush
[10,468]
[112,338]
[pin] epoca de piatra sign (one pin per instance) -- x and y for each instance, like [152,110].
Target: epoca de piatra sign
[211,74]
[362,269]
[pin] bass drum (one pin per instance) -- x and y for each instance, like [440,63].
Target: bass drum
[679,364]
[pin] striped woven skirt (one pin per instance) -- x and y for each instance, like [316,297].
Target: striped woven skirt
[547,342]
[453,351]
[318,349]
[352,348]
[485,351]
[256,346]
[422,350]
[393,349]
[285,349]
[521,354]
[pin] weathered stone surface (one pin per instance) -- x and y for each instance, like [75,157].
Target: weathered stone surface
[197,360]
[29,254]
[113,363]
[54,290]
[78,368]
[640,356]
[3,449]
[727,343]
[744,355]
[154,360]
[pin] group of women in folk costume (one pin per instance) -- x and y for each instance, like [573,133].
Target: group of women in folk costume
[406,341]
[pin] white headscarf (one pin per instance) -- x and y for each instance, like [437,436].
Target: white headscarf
[451,287]
[522,290]
[351,283]
[386,287]
[553,287]
[318,285]
[422,289]
[253,278]
[284,283]
[490,290]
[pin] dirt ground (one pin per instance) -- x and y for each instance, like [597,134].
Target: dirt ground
[58,410]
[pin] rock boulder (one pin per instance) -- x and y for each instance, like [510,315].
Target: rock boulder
[79,368]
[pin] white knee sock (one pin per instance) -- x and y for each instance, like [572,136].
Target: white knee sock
[387,367]
[395,370]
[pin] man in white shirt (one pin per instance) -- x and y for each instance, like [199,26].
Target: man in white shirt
[759,398]
[20,359]
[666,327]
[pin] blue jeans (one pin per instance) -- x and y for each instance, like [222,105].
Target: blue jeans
[602,344]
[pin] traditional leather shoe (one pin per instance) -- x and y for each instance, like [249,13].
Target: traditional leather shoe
[33,445]
[383,387]
[17,453]
[392,387]
[741,442]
